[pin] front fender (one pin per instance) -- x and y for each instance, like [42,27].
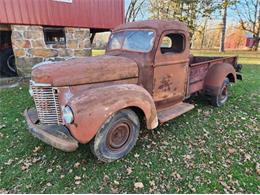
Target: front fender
[215,77]
[92,107]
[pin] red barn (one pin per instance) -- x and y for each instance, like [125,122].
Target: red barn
[35,31]
[239,40]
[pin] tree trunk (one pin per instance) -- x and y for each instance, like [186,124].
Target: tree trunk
[256,43]
[223,33]
[203,33]
[257,38]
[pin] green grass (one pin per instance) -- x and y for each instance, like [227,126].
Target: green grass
[96,52]
[207,150]
[244,57]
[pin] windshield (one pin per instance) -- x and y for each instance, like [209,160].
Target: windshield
[133,40]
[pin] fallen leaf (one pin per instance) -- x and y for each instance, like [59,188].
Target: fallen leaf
[152,183]
[37,149]
[136,155]
[35,160]
[231,150]
[77,178]
[3,191]
[114,190]
[192,188]
[24,168]
[105,178]
[9,162]
[206,113]
[48,184]
[165,143]
[226,186]
[77,165]
[49,170]
[77,182]
[247,157]
[28,186]
[176,175]
[116,182]
[139,185]
[129,170]
[187,157]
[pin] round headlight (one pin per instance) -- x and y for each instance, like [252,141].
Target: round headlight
[67,115]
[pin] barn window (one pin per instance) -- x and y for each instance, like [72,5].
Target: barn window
[173,43]
[54,35]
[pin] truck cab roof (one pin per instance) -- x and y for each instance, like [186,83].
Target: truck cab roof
[158,25]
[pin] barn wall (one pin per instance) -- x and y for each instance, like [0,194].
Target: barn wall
[102,14]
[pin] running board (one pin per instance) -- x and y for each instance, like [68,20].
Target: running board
[174,111]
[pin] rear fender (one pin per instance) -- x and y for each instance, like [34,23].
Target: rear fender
[92,108]
[215,77]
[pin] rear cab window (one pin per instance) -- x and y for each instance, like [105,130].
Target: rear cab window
[172,43]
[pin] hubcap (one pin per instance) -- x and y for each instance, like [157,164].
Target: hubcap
[118,136]
[223,93]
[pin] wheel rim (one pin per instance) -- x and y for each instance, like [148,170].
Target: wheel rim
[223,94]
[118,136]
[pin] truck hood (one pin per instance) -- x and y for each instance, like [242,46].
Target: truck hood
[85,70]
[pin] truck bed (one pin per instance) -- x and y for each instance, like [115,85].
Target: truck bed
[199,66]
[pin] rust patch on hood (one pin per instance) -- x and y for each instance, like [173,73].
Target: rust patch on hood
[86,70]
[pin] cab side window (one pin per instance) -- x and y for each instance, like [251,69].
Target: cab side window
[173,43]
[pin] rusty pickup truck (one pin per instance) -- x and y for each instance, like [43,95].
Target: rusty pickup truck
[146,73]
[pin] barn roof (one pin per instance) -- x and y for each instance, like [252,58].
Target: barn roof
[100,14]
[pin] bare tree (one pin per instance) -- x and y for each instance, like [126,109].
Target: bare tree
[224,25]
[249,15]
[189,11]
[133,10]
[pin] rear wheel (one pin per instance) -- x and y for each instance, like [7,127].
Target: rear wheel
[7,63]
[222,97]
[117,137]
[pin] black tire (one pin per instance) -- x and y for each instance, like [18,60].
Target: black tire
[117,137]
[7,63]
[222,97]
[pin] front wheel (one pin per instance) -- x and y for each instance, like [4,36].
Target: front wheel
[222,97]
[117,137]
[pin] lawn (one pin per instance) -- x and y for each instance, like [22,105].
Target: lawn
[208,150]
[245,57]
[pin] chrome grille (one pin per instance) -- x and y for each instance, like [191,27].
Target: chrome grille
[47,104]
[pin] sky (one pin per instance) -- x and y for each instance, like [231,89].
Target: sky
[232,19]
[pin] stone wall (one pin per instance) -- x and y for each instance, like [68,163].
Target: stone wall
[30,48]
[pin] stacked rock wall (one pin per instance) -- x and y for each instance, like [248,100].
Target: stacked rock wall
[30,48]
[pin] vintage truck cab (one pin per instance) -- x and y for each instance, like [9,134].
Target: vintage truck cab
[147,72]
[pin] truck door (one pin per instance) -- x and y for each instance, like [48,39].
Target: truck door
[171,67]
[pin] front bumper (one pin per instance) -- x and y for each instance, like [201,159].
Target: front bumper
[57,136]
